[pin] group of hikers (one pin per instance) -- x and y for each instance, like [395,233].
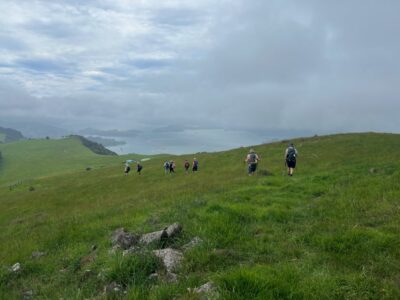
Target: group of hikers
[291,153]
[169,166]
[252,160]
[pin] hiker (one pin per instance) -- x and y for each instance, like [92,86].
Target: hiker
[195,166]
[252,160]
[127,169]
[139,168]
[166,167]
[290,158]
[186,166]
[172,166]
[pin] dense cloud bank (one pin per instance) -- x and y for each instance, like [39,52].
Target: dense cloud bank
[309,65]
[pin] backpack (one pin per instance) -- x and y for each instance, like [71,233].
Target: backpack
[252,158]
[291,155]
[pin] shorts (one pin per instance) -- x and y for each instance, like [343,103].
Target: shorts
[127,169]
[291,164]
[252,168]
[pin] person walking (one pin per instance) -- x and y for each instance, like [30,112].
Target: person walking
[139,168]
[290,158]
[166,167]
[172,166]
[195,166]
[127,168]
[252,160]
[186,165]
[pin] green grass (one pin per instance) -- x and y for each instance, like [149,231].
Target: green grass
[329,232]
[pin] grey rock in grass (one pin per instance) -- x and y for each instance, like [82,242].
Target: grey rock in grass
[373,170]
[131,250]
[153,237]
[123,238]
[26,295]
[172,277]
[207,291]
[113,287]
[192,244]
[38,254]
[173,230]
[154,276]
[170,257]
[205,288]
[16,268]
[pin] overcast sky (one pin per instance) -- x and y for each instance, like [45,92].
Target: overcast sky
[320,65]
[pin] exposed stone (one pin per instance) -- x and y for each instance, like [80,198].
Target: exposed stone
[113,287]
[206,291]
[16,267]
[172,277]
[114,249]
[193,243]
[170,257]
[131,250]
[173,230]
[205,288]
[123,238]
[38,254]
[373,170]
[153,276]
[26,295]
[153,237]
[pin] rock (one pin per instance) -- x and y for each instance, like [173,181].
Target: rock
[123,238]
[172,277]
[114,250]
[206,291]
[170,257]
[373,170]
[205,288]
[173,230]
[113,287]
[158,236]
[38,254]
[193,243]
[153,276]
[93,248]
[16,267]
[153,237]
[131,250]
[26,295]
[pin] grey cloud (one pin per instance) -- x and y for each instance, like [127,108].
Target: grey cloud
[328,66]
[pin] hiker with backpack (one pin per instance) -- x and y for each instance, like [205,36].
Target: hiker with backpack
[195,166]
[186,165]
[172,166]
[166,167]
[139,168]
[252,160]
[127,168]
[290,158]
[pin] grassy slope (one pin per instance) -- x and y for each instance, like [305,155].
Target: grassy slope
[28,159]
[2,137]
[329,232]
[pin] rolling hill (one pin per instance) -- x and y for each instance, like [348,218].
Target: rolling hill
[329,232]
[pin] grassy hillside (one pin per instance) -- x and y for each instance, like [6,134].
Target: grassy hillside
[28,159]
[329,232]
